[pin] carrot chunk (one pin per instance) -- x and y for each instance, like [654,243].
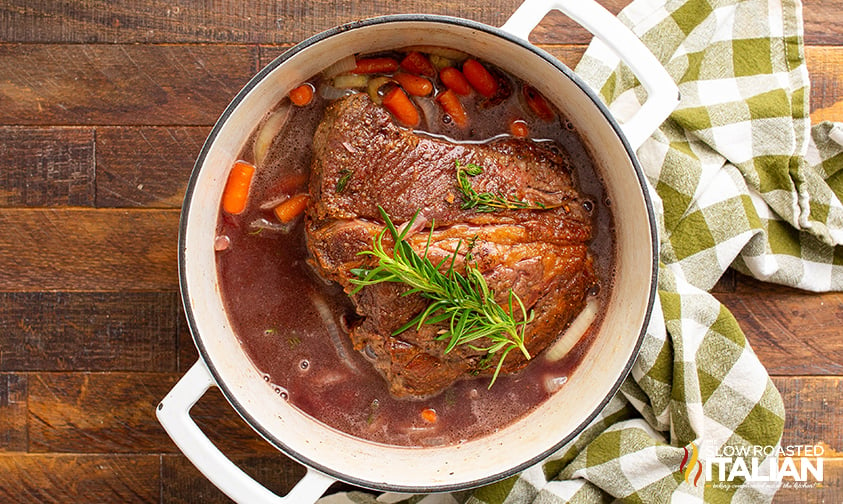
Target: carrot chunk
[518,128]
[480,79]
[302,95]
[429,415]
[450,103]
[236,191]
[397,102]
[292,208]
[455,81]
[417,63]
[375,65]
[413,84]
[538,104]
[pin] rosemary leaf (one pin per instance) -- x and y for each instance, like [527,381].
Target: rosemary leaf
[464,301]
[487,201]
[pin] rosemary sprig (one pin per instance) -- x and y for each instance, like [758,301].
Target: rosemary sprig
[487,201]
[463,300]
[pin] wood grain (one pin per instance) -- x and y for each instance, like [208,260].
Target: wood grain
[13,413]
[155,85]
[145,167]
[127,85]
[98,331]
[46,167]
[115,413]
[824,65]
[79,478]
[227,21]
[88,250]
[181,482]
[793,332]
[815,407]
[829,490]
[97,413]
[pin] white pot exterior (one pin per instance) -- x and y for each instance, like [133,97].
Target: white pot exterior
[472,463]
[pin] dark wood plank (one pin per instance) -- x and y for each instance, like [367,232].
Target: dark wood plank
[99,331]
[145,167]
[81,479]
[90,21]
[13,427]
[823,23]
[120,84]
[89,250]
[181,482]
[191,85]
[97,413]
[829,490]
[115,413]
[792,331]
[815,407]
[46,167]
[98,21]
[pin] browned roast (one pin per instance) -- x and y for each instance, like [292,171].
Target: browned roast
[362,160]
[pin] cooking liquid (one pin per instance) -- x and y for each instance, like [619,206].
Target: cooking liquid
[293,324]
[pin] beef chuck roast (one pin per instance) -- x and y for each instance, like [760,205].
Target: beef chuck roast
[362,160]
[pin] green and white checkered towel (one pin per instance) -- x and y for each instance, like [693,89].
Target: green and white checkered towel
[740,179]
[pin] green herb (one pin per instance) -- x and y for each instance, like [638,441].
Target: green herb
[487,201]
[345,176]
[463,300]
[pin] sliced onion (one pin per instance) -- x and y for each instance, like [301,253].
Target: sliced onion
[430,111]
[344,65]
[274,202]
[270,129]
[331,93]
[262,224]
[333,331]
[575,331]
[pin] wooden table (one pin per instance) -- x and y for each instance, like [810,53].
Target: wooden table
[103,108]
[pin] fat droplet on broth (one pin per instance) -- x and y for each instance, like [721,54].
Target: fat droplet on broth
[282,392]
[221,242]
[554,383]
[304,365]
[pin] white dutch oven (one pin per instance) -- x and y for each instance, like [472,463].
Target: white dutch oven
[328,454]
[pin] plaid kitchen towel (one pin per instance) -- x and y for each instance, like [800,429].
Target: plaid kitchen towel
[740,179]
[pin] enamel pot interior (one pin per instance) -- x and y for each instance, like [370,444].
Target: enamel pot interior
[471,463]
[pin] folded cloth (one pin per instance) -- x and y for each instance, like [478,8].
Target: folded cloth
[739,179]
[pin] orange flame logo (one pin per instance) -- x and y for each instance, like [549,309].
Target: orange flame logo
[689,463]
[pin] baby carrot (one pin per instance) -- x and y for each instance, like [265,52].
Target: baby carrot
[417,63]
[429,415]
[538,104]
[518,128]
[413,84]
[236,190]
[450,103]
[397,102]
[302,95]
[375,65]
[481,79]
[455,80]
[291,208]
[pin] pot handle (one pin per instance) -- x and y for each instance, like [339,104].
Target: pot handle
[174,414]
[662,93]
